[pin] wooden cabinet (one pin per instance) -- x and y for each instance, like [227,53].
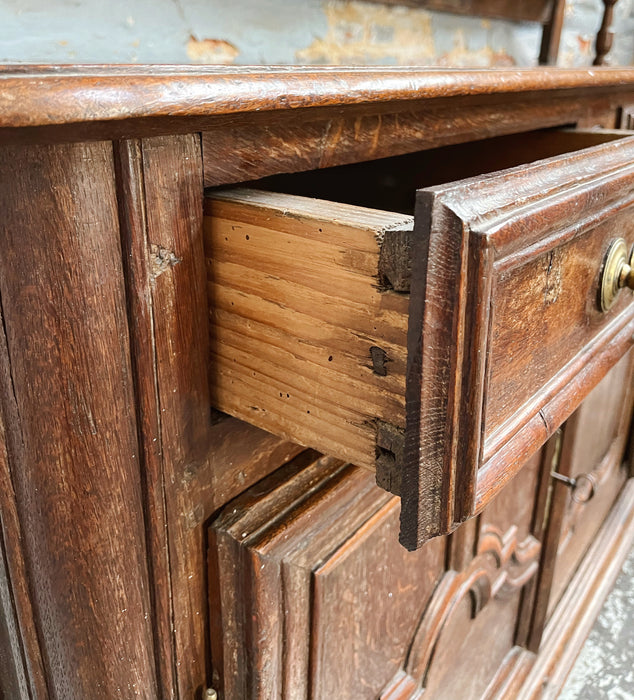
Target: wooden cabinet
[592,451]
[450,344]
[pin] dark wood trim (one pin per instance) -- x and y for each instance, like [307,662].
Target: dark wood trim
[139,280]
[52,95]
[605,35]
[551,35]
[321,138]
[553,514]
[460,228]
[22,673]
[66,393]
[542,511]
[531,11]
[160,190]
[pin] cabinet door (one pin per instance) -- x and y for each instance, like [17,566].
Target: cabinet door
[310,598]
[593,447]
[591,451]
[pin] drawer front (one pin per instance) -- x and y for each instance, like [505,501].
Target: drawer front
[506,334]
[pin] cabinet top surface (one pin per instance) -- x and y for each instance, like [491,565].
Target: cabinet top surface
[36,96]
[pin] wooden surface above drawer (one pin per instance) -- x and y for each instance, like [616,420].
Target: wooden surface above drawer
[505,339]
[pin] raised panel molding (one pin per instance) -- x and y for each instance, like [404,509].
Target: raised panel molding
[310,596]
[502,565]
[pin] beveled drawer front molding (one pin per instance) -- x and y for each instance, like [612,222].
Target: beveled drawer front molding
[506,332]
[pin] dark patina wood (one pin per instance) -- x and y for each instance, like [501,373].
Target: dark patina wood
[286,588]
[24,674]
[298,141]
[525,273]
[286,275]
[605,36]
[522,10]
[593,443]
[552,34]
[71,438]
[187,457]
[56,95]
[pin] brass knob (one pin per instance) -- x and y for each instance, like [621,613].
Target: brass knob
[618,273]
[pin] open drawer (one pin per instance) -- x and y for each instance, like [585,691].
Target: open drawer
[443,348]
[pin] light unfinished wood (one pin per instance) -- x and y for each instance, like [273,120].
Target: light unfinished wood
[297,306]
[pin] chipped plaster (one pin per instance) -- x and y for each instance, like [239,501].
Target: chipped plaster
[360,32]
[288,31]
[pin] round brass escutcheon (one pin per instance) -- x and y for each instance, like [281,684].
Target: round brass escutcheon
[618,272]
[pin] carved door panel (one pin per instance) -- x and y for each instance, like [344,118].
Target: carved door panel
[311,597]
[468,627]
[594,443]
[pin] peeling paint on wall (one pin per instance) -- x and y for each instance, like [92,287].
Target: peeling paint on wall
[291,31]
[360,32]
[217,51]
[581,23]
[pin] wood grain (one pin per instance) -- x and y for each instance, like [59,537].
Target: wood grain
[35,95]
[592,442]
[285,530]
[605,35]
[161,196]
[21,652]
[325,137]
[528,632]
[572,621]
[296,314]
[192,464]
[390,183]
[111,463]
[597,448]
[14,678]
[296,308]
[551,34]
[304,609]
[71,437]
[140,276]
[527,11]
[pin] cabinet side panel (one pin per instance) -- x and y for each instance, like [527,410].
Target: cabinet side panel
[72,435]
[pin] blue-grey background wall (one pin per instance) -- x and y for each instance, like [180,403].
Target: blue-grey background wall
[290,31]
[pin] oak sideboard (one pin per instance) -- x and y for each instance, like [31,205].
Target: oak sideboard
[314,382]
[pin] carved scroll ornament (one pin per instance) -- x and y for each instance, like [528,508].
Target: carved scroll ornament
[501,566]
